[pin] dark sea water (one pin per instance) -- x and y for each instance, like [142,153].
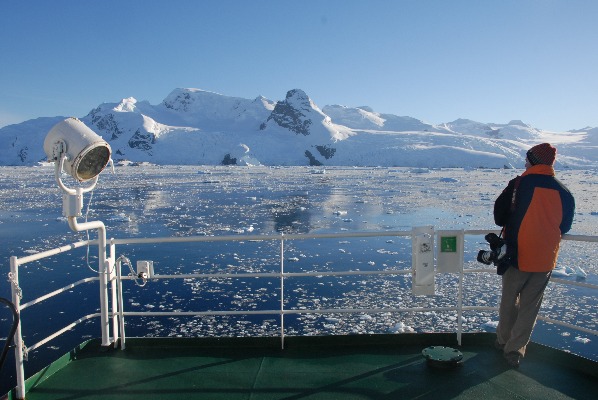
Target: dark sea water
[151,201]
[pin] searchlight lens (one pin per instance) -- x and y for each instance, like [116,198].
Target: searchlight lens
[92,163]
[87,154]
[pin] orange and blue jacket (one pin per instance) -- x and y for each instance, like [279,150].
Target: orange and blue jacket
[542,212]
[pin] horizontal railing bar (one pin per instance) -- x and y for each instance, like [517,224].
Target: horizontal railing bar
[568,325]
[287,311]
[341,273]
[546,319]
[215,275]
[60,332]
[52,252]
[300,236]
[241,238]
[468,270]
[480,231]
[480,308]
[552,279]
[58,291]
[580,238]
[274,274]
[197,313]
[368,310]
[574,283]
[567,236]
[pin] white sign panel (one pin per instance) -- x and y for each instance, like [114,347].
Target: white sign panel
[449,253]
[422,243]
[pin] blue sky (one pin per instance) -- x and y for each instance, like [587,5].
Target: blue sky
[486,60]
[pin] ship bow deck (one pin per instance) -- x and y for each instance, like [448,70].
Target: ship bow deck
[324,367]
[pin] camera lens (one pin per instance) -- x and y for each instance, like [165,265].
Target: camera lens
[485,257]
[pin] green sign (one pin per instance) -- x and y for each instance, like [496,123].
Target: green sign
[448,244]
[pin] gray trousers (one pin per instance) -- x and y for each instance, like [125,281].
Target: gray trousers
[522,294]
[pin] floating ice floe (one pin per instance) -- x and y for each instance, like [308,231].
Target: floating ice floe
[490,325]
[400,327]
[580,272]
[569,271]
[249,228]
[582,340]
[560,271]
[449,180]
[420,171]
[122,217]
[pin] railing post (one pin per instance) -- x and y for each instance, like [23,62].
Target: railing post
[113,291]
[282,290]
[460,304]
[16,299]
[119,285]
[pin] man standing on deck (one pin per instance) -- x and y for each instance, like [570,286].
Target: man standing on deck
[535,210]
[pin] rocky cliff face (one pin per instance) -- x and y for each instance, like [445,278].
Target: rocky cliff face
[300,115]
[123,127]
[294,113]
[105,123]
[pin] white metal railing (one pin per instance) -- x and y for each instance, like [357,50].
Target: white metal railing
[111,273]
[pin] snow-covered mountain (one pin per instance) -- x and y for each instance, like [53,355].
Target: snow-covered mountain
[193,126]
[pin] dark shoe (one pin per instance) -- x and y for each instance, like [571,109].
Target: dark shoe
[498,346]
[513,359]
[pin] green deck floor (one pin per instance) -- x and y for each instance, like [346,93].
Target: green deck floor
[341,367]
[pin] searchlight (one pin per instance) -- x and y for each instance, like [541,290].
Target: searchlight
[83,154]
[78,150]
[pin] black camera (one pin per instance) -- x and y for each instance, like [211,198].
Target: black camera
[498,249]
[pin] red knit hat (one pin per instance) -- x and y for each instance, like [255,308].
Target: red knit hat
[543,153]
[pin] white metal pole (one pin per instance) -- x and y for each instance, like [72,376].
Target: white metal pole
[16,300]
[103,271]
[119,284]
[460,302]
[282,291]
[113,291]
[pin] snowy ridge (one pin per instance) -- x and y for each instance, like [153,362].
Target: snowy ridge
[198,127]
[366,118]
